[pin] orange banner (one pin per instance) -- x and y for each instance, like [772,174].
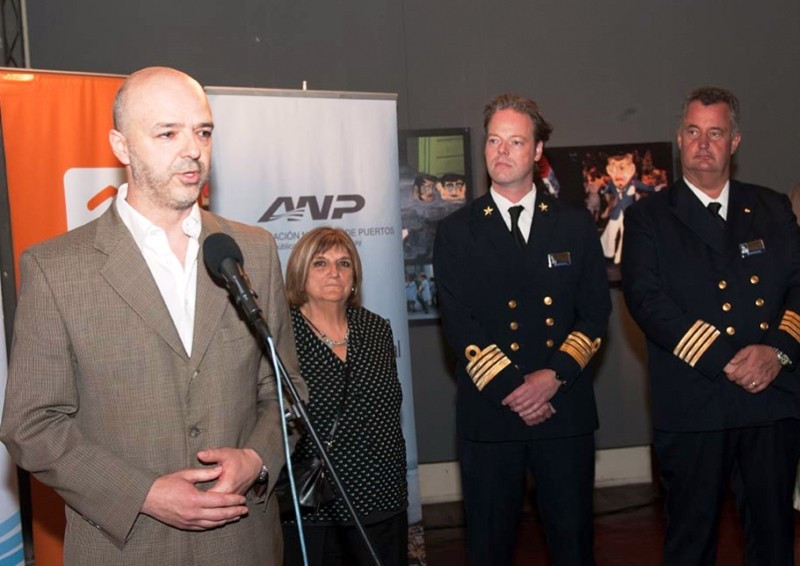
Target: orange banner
[55,135]
[61,174]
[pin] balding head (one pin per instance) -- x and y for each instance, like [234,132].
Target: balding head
[135,87]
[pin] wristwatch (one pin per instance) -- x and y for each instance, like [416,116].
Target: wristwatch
[784,359]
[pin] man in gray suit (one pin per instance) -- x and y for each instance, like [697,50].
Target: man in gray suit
[135,389]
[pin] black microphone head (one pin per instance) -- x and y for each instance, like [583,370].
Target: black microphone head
[217,248]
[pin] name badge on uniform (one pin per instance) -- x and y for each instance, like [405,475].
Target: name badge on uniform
[754,247]
[559,259]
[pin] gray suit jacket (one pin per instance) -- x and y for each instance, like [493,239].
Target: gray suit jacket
[102,397]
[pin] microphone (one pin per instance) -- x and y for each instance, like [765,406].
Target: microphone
[223,259]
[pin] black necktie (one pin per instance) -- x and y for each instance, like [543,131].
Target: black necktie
[515,211]
[714,208]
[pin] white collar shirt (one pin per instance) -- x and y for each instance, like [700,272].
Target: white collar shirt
[177,283]
[525,217]
[723,197]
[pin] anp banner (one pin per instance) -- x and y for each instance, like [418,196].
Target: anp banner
[290,161]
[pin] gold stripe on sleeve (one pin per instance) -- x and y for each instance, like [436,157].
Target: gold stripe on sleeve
[484,365]
[580,348]
[791,326]
[692,345]
[703,344]
[698,323]
[790,323]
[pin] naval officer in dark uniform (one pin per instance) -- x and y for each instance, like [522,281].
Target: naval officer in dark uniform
[711,273]
[525,301]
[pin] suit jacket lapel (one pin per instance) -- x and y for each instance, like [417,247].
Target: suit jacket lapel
[741,209]
[491,226]
[688,208]
[543,223]
[211,298]
[127,272]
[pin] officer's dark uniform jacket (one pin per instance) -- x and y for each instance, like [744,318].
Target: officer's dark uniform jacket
[507,312]
[701,293]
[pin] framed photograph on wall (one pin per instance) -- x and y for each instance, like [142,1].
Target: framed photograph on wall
[435,180]
[607,179]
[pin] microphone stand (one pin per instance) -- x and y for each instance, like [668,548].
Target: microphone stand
[256,320]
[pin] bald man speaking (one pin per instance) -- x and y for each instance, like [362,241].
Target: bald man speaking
[135,390]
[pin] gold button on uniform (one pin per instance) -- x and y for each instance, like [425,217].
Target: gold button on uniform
[514,346]
[548,301]
[726,307]
[759,302]
[549,321]
[730,331]
[513,326]
[754,279]
[549,343]
[763,325]
[722,284]
[512,304]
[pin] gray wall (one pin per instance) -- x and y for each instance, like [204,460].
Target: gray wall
[603,72]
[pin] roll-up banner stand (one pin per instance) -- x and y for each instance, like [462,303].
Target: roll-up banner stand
[290,161]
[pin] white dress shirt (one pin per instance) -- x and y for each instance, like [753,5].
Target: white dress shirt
[705,199]
[177,283]
[525,217]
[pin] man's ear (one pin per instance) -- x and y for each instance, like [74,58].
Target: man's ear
[537,151]
[737,138]
[119,145]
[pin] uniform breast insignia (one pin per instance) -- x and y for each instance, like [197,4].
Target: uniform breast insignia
[753,247]
[488,211]
[580,347]
[790,323]
[559,259]
[696,341]
[484,365]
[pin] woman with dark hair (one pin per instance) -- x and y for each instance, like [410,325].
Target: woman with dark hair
[347,358]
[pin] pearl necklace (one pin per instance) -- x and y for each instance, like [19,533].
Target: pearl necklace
[329,342]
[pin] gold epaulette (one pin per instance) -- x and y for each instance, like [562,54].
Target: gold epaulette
[580,348]
[695,342]
[790,323]
[484,365]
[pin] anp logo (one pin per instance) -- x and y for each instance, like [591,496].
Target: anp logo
[325,210]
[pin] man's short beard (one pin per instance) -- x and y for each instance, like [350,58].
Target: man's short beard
[158,189]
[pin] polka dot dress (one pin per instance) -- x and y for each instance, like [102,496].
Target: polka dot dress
[368,448]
